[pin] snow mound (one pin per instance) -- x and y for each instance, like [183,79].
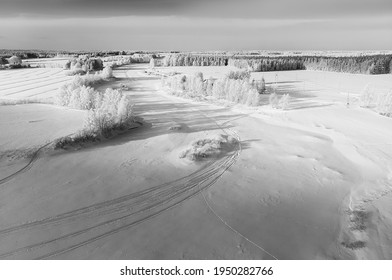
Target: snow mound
[209,147]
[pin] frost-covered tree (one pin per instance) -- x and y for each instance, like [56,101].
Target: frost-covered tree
[262,88]
[15,60]
[107,72]
[284,102]
[367,98]
[152,63]
[209,87]
[274,100]
[384,104]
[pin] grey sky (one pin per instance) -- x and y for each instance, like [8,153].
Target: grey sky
[196,25]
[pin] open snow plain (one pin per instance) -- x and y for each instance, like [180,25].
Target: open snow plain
[310,182]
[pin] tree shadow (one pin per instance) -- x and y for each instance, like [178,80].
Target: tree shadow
[295,91]
[306,104]
[299,98]
[159,122]
[284,82]
[134,66]
[163,116]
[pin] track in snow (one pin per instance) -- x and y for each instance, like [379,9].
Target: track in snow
[109,217]
[71,230]
[26,167]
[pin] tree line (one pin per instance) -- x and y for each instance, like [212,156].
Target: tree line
[194,60]
[363,64]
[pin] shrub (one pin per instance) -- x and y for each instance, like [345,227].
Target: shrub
[262,86]
[367,98]
[107,111]
[384,104]
[284,102]
[279,103]
[238,75]
[118,61]
[218,89]
[274,100]
[89,64]
[83,136]
[152,63]
[87,98]
[209,87]
[234,90]
[199,75]
[253,98]
[112,110]
[210,147]
[75,72]
[107,72]
[381,103]
[78,93]
[67,65]
[94,64]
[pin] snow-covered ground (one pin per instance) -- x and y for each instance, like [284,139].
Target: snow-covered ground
[31,83]
[53,62]
[208,72]
[311,182]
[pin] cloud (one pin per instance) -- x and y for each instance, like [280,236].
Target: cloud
[266,9]
[201,24]
[186,33]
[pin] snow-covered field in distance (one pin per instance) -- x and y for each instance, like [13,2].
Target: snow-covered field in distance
[30,83]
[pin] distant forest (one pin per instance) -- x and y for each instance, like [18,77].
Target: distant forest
[364,64]
[195,60]
[29,54]
[354,62]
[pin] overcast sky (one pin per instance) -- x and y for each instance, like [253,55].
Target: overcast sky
[196,24]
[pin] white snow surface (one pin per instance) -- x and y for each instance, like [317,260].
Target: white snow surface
[310,182]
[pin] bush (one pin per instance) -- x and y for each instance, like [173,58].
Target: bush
[238,75]
[112,110]
[259,85]
[279,103]
[207,148]
[109,110]
[118,61]
[67,65]
[381,103]
[284,102]
[83,63]
[367,98]
[199,75]
[78,93]
[234,90]
[274,100]
[107,72]
[384,104]
[83,136]
[15,66]
[262,85]
[75,72]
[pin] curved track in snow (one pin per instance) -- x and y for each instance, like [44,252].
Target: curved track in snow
[73,229]
[116,215]
[25,168]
